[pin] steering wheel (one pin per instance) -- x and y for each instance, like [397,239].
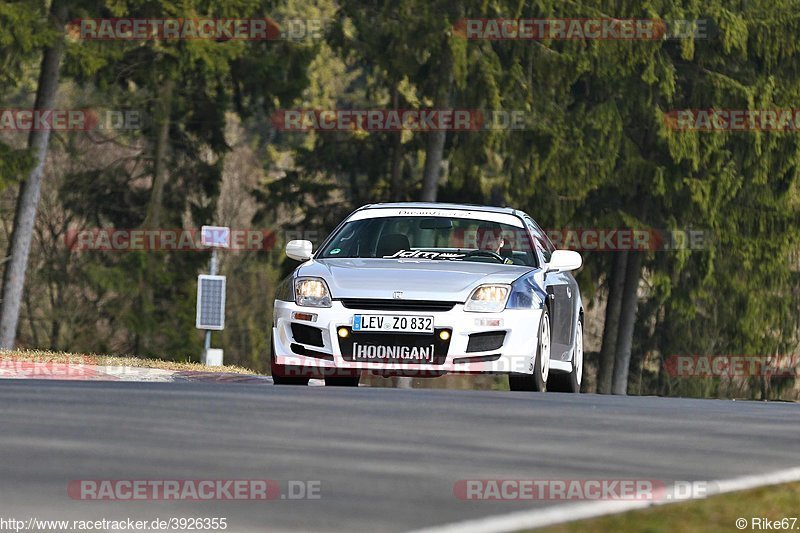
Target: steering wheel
[486,253]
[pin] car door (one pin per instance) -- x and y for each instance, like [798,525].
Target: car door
[561,289]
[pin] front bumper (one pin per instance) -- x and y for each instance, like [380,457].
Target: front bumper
[516,354]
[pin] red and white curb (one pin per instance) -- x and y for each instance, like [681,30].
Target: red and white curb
[229,377]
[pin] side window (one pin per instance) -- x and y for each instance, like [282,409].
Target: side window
[542,242]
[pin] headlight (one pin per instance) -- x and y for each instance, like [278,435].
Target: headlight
[526,294]
[488,299]
[311,292]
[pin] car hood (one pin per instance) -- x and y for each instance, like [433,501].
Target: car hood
[416,279]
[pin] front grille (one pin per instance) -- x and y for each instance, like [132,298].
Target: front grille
[483,342]
[392,348]
[307,335]
[397,305]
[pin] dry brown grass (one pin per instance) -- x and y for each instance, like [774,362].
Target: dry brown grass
[43,356]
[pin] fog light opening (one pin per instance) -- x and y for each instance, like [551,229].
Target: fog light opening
[343,333]
[444,334]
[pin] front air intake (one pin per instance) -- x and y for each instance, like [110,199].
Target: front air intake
[483,342]
[307,335]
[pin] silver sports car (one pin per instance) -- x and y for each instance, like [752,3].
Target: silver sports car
[423,289]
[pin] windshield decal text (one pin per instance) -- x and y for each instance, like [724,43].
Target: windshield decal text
[420,254]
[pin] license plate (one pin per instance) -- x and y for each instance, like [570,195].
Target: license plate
[393,323]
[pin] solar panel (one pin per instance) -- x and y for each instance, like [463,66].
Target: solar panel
[210,302]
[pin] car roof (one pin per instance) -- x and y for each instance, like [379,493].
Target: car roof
[442,205]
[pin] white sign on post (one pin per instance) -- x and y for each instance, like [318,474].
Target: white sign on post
[215,236]
[210,302]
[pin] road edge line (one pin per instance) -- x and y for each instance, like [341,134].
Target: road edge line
[561,514]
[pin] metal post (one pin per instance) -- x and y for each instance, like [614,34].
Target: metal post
[213,267]
[207,343]
[213,271]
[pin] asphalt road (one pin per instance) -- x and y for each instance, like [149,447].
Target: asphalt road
[386,459]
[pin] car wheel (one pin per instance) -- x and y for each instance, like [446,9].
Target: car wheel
[571,382]
[541,366]
[279,372]
[342,381]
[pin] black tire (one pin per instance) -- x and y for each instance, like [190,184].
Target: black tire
[342,381]
[533,382]
[279,372]
[570,382]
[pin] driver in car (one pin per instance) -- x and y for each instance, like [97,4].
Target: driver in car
[489,238]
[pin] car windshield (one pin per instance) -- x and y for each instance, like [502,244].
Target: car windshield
[433,238]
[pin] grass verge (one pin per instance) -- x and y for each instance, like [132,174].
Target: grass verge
[39,356]
[717,513]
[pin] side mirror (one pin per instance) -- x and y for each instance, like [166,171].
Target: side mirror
[299,250]
[564,261]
